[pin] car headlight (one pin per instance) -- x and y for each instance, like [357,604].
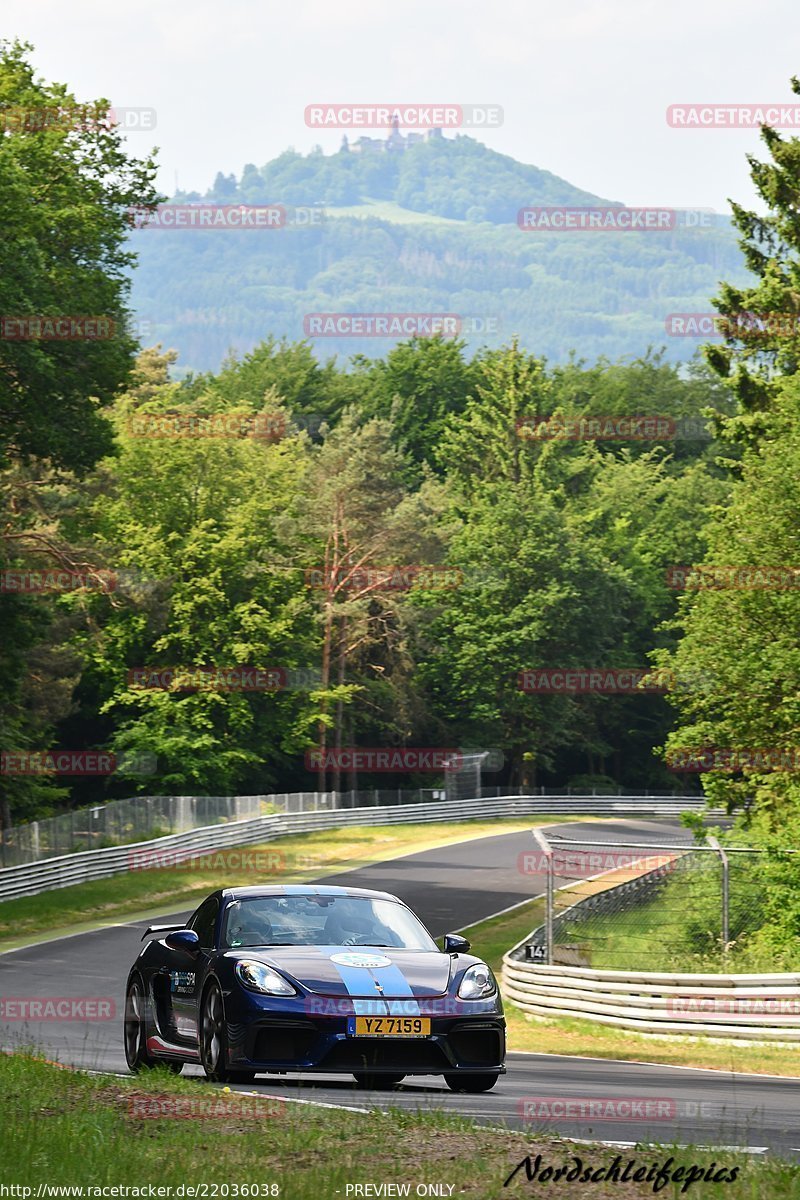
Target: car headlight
[258,977]
[478,982]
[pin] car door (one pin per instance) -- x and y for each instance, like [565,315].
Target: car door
[187,972]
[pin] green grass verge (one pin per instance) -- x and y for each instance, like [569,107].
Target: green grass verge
[491,939]
[64,1128]
[144,893]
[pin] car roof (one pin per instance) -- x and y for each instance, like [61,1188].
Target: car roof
[305,889]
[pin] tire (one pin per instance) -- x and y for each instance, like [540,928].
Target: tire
[471,1083]
[136,1054]
[376,1083]
[214,1040]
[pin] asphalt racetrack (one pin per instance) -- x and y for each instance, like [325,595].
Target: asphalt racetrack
[450,888]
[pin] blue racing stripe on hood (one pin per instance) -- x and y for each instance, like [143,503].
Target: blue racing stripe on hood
[395,983]
[395,999]
[367,1000]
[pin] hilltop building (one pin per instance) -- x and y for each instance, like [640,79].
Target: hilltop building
[394,143]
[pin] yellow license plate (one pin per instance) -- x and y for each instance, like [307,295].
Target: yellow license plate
[390,1026]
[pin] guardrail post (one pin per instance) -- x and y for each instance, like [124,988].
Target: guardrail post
[714,844]
[548,920]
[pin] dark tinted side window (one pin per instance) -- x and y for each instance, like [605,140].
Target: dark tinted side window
[204,921]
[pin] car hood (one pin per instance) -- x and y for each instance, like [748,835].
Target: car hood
[355,971]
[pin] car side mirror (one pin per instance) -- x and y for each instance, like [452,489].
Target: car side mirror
[454,943]
[185,940]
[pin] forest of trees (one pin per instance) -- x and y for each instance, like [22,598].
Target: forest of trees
[277,543]
[448,177]
[560,551]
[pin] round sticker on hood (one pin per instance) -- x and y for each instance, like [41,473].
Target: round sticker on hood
[362,960]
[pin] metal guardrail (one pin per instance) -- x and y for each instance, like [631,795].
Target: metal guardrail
[763,1007]
[120,822]
[32,878]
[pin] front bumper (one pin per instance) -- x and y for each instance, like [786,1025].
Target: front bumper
[281,1041]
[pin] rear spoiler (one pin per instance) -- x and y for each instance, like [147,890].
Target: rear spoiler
[163,928]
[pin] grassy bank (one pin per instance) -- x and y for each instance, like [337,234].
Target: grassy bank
[64,1128]
[290,859]
[541,1035]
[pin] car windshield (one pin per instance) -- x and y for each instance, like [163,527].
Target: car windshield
[322,921]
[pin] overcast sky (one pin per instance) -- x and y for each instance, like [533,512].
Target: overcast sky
[584,85]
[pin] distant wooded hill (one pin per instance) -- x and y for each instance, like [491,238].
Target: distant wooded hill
[432,229]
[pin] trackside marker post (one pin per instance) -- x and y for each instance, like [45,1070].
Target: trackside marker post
[547,850]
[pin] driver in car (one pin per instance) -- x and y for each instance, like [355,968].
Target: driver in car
[355,924]
[249,927]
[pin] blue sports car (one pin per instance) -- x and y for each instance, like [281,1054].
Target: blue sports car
[313,979]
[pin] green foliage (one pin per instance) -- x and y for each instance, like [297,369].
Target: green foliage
[563,547]
[758,353]
[66,185]
[740,640]
[419,385]
[65,189]
[446,176]
[737,663]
